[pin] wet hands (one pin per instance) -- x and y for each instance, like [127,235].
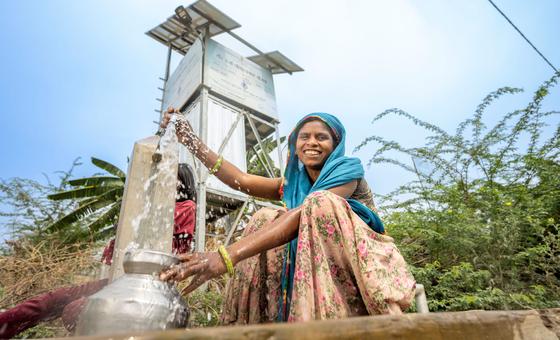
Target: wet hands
[201,266]
[167,117]
[185,132]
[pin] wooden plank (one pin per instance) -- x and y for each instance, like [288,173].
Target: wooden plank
[495,325]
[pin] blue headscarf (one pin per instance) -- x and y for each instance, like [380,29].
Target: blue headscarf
[337,170]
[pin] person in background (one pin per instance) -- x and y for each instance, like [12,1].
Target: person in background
[185,210]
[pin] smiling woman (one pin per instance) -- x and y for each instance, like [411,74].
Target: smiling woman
[315,142]
[323,256]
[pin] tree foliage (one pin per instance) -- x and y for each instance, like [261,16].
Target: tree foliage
[256,157]
[97,201]
[27,212]
[480,224]
[70,211]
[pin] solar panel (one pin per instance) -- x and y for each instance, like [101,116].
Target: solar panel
[276,62]
[181,29]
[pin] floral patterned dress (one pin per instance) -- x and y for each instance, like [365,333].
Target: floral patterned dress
[343,268]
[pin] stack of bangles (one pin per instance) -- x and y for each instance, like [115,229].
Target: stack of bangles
[216,166]
[227,260]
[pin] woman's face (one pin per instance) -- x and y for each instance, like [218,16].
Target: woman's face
[314,144]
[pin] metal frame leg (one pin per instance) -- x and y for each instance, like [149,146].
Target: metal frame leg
[268,167]
[421,300]
[279,148]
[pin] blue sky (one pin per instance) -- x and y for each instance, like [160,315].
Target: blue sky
[80,78]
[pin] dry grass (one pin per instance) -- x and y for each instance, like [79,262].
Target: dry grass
[33,269]
[205,303]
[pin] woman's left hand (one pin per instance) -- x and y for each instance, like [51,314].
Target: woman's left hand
[201,266]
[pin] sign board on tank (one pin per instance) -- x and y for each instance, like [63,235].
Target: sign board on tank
[185,79]
[239,79]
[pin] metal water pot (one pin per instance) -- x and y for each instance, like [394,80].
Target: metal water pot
[137,301]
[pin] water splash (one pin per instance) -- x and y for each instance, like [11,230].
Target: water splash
[153,226]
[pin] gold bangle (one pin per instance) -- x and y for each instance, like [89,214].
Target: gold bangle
[227,260]
[217,166]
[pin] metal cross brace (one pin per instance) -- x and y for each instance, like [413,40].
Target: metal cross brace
[259,141]
[229,134]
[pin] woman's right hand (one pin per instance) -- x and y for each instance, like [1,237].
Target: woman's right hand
[167,117]
[184,130]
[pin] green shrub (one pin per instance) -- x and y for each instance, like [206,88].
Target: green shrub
[480,224]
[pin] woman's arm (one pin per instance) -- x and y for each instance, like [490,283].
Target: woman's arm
[228,173]
[205,266]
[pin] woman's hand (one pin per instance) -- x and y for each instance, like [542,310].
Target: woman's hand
[167,117]
[184,130]
[201,266]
